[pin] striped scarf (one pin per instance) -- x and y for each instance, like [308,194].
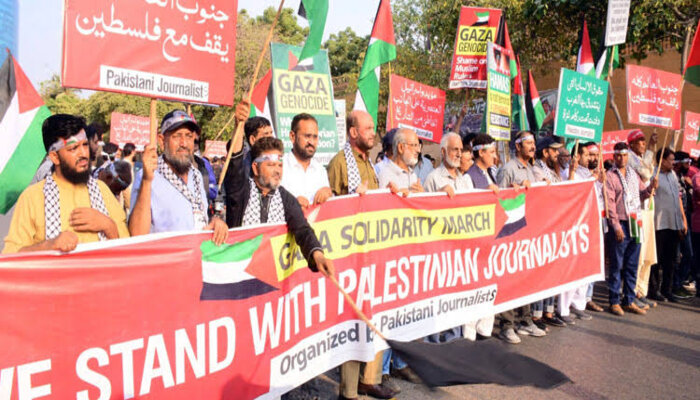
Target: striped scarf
[52,206]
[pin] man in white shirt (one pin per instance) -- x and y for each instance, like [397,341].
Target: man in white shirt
[398,175]
[304,177]
[447,177]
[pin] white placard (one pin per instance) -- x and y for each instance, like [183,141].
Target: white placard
[616,23]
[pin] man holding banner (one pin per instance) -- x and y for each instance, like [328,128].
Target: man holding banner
[69,206]
[169,193]
[625,193]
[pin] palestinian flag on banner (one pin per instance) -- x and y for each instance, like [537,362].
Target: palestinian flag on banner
[515,213]
[692,66]
[261,105]
[602,69]
[381,49]
[224,272]
[314,11]
[584,62]
[536,114]
[519,108]
[22,112]
[482,18]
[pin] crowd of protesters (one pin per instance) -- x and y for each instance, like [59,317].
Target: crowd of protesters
[84,192]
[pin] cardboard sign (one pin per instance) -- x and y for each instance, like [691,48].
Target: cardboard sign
[215,148]
[616,22]
[340,121]
[128,128]
[581,106]
[177,50]
[690,134]
[653,97]
[172,316]
[303,88]
[477,26]
[416,106]
[609,140]
[498,105]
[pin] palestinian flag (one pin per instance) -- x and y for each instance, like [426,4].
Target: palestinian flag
[515,212]
[224,272]
[519,109]
[261,105]
[381,49]
[536,112]
[482,18]
[602,69]
[692,66]
[584,62]
[503,40]
[315,11]
[22,112]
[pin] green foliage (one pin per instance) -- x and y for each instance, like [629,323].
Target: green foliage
[345,51]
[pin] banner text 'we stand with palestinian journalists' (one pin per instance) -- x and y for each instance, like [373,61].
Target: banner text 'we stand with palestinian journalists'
[175,317]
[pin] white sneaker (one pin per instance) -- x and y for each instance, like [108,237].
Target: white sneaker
[530,330]
[509,336]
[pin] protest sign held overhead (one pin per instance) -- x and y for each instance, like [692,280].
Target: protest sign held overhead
[168,50]
[304,87]
[477,27]
[416,106]
[616,22]
[215,148]
[581,106]
[653,97]
[415,265]
[609,140]
[498,105]
[690,134]
[128,128]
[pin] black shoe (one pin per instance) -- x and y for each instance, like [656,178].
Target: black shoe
[671,298]
[406,374]
[658,297]
[681,293]
[540,323]
[378,391]
[341,397]
[554,321]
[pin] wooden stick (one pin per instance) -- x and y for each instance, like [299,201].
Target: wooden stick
[154,122]
[389,113]
[355,308]
[602,171]
[189,109]
[239,127]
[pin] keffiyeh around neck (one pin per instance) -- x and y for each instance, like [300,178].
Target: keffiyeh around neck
[253,211]
[199,207]
[52,206]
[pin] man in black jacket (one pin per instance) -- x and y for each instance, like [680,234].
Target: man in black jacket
[260,199]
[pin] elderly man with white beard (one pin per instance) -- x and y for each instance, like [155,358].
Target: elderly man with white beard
[447,177]
[398,175]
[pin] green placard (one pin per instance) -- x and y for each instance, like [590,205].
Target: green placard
[306,87]
[498,105]
[581,106]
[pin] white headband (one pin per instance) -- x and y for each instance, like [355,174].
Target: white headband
[623,151]
[483,146]
[61,143]
[268,157]
[524,138]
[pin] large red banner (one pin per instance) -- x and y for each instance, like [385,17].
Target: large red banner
[690,134]
[128,128]
[175,49]
[653,97]
[171,316]
[609,140]
[416,106]
[477,26]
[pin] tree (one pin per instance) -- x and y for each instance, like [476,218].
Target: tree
[344,51]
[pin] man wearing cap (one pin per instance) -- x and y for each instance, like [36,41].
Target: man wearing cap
[68,206]
[625,192]
[641,160]
[304,177]
[169,193]
[447,177]
[516,173]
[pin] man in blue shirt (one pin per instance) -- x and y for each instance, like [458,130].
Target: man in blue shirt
[168,193]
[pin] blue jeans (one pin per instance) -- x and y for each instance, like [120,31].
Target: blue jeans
[386,362]
[624,258]
[546,305]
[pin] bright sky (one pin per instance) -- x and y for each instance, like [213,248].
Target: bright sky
[40,28]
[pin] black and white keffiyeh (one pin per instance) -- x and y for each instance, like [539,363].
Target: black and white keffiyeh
[275,212]
[199,206]
[354,179]
[52,206]
[630,186]
[548,173]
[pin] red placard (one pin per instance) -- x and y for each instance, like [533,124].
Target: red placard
[215,148]
[180,49]
[690,134]
[609,140]
[653,97]
[416,106]
[128,128]
[477,26]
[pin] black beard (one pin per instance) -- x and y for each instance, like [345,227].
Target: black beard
[303,153]
[593,164]
[74,176]
[180,167]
